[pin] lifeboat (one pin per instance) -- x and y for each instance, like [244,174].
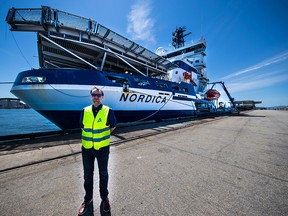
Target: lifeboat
[212,94]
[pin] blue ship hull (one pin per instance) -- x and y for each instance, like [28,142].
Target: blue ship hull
[153,99]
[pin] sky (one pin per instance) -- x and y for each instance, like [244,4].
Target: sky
[247,40]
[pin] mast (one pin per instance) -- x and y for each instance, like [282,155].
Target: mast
[178,37]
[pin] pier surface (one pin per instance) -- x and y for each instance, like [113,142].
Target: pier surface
[236,165]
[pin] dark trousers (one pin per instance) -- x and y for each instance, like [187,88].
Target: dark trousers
[88,158]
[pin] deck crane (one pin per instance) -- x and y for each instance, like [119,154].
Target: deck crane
[226,91]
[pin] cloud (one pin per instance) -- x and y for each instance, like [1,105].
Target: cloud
[257,82]
[281,57]
[140,23]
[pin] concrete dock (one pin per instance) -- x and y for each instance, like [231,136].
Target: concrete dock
[236,165]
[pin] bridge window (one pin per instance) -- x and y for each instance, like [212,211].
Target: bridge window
[142,82]
[161,85]
[118,79]
[185,90]
[33,79]
[177,88]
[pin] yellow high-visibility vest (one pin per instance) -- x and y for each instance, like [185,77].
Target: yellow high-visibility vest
[95,132]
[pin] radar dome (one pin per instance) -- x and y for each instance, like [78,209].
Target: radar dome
[160,51]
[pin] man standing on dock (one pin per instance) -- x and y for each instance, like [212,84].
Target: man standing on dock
[97,122]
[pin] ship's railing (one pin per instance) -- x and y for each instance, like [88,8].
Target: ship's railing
[47,19]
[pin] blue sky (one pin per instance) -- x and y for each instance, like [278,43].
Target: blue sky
[247,40]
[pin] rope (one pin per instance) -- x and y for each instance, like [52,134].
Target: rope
[20,50]
[169,99]
[66,93]
[154,113]
[1,83]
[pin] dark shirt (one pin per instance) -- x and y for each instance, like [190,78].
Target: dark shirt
[111,119]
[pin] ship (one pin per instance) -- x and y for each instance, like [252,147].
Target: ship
[77,53]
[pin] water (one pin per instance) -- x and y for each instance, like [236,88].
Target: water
[22,121]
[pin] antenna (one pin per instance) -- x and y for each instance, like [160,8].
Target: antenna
[178,37]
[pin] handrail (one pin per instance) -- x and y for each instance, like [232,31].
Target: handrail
[49,20]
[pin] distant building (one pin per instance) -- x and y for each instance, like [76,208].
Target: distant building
[280,108]
[12,103]
[246,104]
